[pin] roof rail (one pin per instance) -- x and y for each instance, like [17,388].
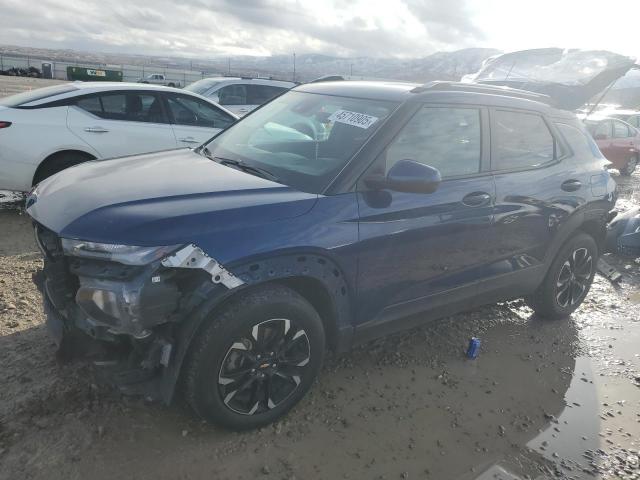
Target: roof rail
[481,88]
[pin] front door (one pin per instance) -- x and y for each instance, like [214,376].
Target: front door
[194,120]
[419,249]
[116,124]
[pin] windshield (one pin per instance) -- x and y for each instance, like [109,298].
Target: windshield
[33,95]
[201,86]
[303,139]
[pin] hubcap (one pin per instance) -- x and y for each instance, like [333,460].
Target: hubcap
[574,278]
[264,367]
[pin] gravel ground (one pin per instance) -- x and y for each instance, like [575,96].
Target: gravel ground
[544,399]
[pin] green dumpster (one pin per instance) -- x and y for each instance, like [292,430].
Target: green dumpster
[93,74]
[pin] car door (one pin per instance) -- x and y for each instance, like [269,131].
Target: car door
[194,120]
[233,97]
[258,94]
[421,250]
[121,123]
[623,144]
[603,135]
[537,190]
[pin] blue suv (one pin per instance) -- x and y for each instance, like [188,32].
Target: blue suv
[334,214]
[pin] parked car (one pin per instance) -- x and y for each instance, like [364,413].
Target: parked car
[47,130]
[230,276]
[160,79]
[618,141]
[239,94]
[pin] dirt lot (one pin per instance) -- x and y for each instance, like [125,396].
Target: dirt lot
[543,400]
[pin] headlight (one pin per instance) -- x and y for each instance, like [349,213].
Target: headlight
[126,254]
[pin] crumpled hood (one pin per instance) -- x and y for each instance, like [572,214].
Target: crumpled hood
[163,198]
[570,77]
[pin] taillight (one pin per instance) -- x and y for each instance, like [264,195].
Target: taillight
[5,124]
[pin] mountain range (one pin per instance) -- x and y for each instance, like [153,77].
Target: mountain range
[438,66]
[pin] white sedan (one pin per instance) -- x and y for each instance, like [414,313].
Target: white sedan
[47,130]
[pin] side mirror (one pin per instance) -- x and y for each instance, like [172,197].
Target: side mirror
[408,176]
[601,136]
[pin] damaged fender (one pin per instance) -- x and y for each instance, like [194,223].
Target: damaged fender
[192,256]
[290,267]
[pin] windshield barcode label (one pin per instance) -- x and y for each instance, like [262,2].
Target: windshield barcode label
[354,119]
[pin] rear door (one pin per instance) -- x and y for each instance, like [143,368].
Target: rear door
[260,94]
[121,123]
[623,143]
[234,98]
[603,134]
[536,191]
[195,120]
[417,250]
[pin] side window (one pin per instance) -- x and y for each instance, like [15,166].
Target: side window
[233,95]
[448,139]
[620,130]
[521,140]
[259,94]
[580,141]
[197,113]
[91,105]
[602,131]
[130,107]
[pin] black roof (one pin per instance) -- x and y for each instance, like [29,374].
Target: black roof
[390,91]
[436,92]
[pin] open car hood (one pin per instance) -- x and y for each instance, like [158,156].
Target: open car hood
[569,77]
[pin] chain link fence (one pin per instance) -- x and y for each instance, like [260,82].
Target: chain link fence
[130,73]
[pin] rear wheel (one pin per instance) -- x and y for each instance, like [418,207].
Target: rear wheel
[255,359]
[568,280]
[630,166]
[58,162]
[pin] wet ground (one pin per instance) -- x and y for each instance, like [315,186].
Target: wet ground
[544,399]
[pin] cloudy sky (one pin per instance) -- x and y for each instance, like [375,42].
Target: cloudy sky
[401,28]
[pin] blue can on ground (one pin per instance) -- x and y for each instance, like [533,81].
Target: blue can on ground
[474,348]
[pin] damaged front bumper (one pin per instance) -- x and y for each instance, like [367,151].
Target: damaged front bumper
[126,318]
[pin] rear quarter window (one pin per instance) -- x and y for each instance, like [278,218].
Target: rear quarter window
[522,140]
[580,141]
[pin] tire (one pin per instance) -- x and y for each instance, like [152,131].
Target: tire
[171,84]
[568,280]
[58,162]
[629,167]
[236,358]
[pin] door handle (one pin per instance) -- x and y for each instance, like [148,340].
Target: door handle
[188,140]
[96,130]
[571,185]
[477,199]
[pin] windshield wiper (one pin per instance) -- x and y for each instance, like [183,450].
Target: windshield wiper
[259,172]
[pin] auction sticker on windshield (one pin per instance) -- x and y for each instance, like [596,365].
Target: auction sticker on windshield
[354,119]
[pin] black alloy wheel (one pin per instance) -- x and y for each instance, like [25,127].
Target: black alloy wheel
[574,278]
[255,358]
[263,367]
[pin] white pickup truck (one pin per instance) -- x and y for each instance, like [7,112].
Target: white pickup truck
[159,79]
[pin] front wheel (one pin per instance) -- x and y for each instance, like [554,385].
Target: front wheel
[255,359]
[568,280]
